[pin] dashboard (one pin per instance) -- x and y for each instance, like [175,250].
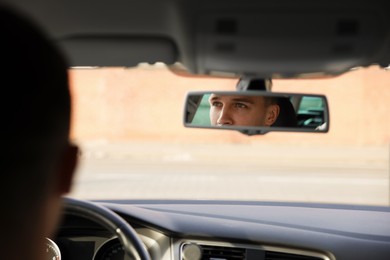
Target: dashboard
[234,230]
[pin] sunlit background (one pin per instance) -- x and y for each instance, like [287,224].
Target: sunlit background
[129,124]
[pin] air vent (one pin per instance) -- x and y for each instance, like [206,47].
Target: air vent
[227,251]
[219,252]
[270,255]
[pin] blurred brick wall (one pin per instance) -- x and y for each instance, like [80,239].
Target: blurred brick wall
[147,104]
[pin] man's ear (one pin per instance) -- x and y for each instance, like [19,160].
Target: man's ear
[272,114]
[67,169]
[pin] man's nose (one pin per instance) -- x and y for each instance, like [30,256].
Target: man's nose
[225,117]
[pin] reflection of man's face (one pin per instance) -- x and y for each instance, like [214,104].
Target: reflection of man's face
[241,111]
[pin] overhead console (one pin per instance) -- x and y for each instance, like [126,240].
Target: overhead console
[303,38]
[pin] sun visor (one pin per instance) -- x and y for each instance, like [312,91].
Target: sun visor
[118,51]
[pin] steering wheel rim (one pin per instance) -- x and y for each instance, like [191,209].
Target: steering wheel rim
[128,237]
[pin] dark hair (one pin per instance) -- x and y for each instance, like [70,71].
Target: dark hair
[35,106]
[287,116]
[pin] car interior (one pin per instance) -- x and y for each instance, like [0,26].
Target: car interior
[225,40]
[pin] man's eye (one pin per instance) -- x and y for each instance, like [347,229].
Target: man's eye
[240,105]
[216,104]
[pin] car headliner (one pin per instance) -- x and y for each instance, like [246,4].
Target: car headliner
[216,37]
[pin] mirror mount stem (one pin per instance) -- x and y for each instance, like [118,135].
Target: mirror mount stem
[258,84]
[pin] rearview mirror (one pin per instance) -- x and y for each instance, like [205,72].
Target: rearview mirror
[257,112]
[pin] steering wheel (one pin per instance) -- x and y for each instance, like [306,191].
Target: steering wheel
[132,244]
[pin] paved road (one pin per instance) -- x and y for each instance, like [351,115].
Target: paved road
[140,171]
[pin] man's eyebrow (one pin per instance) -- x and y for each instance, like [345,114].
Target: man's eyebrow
[243,99]
[214,97]
[237,99]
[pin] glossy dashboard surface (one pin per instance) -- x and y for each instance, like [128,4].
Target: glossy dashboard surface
[304,230]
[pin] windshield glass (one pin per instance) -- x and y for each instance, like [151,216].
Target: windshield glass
[129,124]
